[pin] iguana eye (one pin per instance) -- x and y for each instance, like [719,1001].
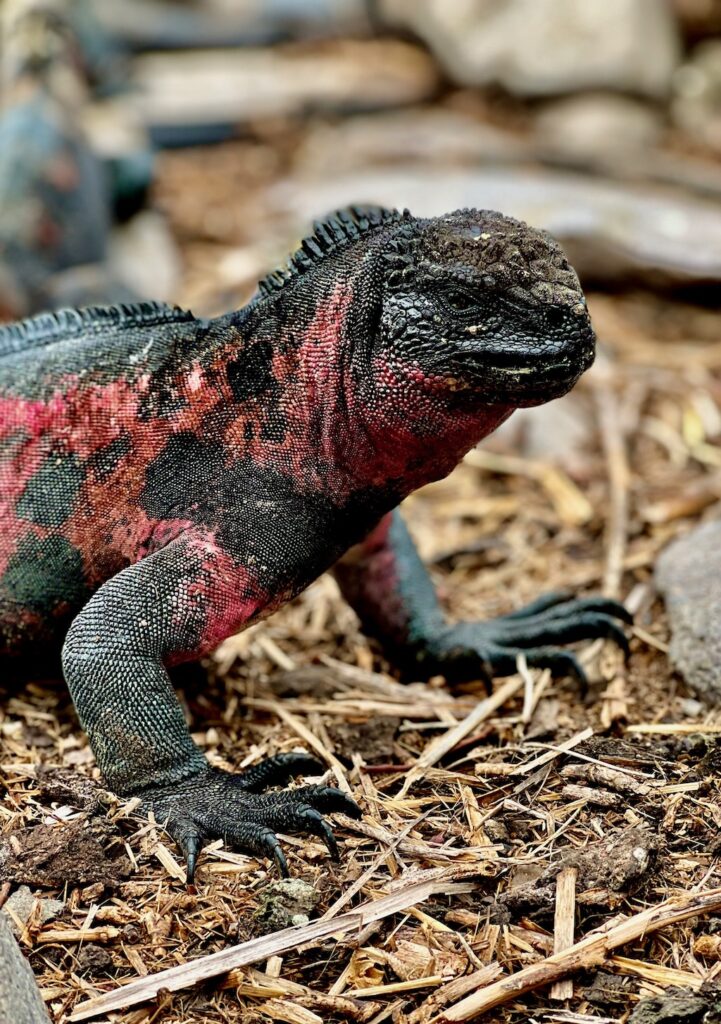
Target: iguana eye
[459,301]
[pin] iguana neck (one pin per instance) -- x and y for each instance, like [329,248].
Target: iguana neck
[307,396]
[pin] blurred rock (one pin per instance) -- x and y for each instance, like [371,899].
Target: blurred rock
[696,105]
[611,230]
[430,134]
[92,284]
[698,18]
[558,432]
[180,93]
[688,574]
[53,192]
[543,47]
[601,130]
[164,25]
[145,258]
[117,135]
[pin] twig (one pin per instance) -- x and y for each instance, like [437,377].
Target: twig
[456,989]
[185,975]
[564,925]
[553,752]
[589,952]
[350,892]
[298,727]
[618,480]
[440,746]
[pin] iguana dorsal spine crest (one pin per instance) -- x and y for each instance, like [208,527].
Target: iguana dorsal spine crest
[329,236]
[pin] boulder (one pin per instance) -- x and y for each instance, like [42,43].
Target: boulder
[546,47]
[688,574]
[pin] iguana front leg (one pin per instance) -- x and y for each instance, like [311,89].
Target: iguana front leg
[389,587]
[176,604]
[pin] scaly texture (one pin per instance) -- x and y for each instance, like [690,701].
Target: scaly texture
[166,481]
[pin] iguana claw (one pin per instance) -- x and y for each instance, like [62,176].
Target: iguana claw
[493,647]
[215,804]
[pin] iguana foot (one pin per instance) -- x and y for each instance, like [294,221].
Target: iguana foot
[487,649]
[217,805]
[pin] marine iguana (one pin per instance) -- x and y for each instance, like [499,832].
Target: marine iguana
[165,481]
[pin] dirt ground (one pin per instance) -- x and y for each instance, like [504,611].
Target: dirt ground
[617,789]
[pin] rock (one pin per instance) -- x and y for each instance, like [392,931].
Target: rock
[20,1000]
[162,25]
[22,903]
[93,959]
[183,94]
[78,853]
[611,230]
[696,104]
[626,45]
[559,433]
[688,574]
[601,130]
[698,18]
[287,902]
[608,990]
[144,257]
[430,134]
[680,1006]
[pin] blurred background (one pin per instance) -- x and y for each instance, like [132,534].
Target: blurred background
[239,121]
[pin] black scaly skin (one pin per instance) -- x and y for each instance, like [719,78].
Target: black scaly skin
[166,481]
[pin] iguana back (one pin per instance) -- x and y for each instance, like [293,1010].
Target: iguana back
[85,397]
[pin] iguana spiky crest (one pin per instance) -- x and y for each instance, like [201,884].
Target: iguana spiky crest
[46,328]
[329,236]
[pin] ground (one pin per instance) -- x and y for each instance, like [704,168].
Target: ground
[631,804]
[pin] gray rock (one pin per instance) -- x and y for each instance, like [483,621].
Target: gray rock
[221,87]
[688,573]
[160,24]
[679,1006]
[546,47]
[435,135]
[598,129]
[558,432]
[22,904]
[20,1000]
[696,105]
[287,902]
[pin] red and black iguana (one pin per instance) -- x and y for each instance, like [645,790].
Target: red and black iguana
[165,481]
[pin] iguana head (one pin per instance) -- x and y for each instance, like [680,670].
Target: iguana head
[469,310]
[484,308]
